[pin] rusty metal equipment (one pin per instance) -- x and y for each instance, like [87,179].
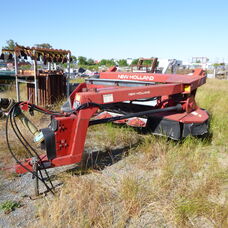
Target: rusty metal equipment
[222,74]
[146,65]
[51,88]
[36,85]
[173,113]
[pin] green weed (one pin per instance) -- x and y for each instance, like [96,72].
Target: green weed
[9,206]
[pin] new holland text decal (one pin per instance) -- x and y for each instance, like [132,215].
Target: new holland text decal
[136,77]
[139,93]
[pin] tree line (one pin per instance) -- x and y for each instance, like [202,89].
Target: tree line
[80,60]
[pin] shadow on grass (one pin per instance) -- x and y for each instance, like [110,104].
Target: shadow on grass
[93,161]
[98,160]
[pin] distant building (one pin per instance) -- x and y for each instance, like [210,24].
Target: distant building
[202,60]
[198,62]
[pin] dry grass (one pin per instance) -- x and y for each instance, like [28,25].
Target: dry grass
[106,137]
[38,119]
[11,92]
[186,179]
[77,80]
[5,157]
[160,184]
[214,97]
[6,161]
[92,195]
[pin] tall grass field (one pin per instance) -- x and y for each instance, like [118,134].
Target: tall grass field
[159,183]
[156,183]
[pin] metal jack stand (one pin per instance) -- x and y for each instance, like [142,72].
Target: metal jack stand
[35,175]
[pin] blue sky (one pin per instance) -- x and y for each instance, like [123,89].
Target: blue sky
[121,28]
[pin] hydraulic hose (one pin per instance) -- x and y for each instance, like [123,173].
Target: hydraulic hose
[178,107]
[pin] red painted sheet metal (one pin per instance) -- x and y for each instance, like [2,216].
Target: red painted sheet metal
[196,116]
[150,77]
[127,93]
[137,122]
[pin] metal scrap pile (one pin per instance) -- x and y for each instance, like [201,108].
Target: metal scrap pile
[39,54]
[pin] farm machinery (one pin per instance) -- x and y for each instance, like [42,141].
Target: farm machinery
[163,103]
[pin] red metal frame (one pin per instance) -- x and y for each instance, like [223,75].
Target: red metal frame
[194,81]
[72,129]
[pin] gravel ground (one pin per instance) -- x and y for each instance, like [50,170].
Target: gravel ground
[21,188]
[17,189]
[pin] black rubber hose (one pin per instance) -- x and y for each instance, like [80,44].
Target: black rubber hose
[178,107]
[37,155]
[10,149]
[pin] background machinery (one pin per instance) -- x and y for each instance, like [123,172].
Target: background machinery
[155,65]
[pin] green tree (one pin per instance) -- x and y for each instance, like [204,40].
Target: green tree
[82,60]
[43,45]
[134,62]
[107,62]
[74,58]
[90,62]
[147,62]
[216,65]
[10,44]
[103,62]
[122,62]
[111,62]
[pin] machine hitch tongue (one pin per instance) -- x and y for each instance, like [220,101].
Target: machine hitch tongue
[35,167]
